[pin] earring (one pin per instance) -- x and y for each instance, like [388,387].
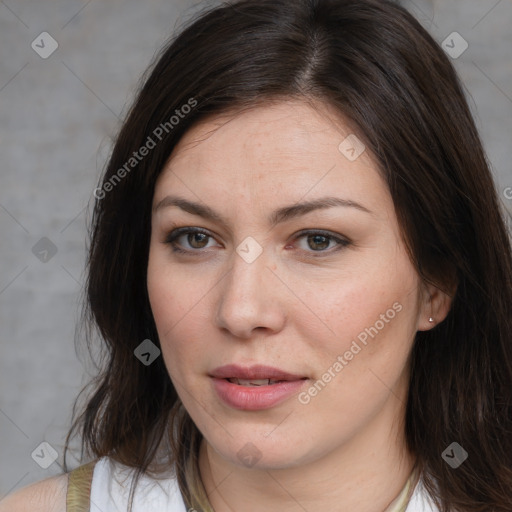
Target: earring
[431,320]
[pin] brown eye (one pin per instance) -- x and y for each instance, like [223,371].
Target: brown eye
[197,238]
[318,242]
[322,242]
[188,240]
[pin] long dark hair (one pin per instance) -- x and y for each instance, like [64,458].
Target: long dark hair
[380,69]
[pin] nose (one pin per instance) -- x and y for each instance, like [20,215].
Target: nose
[250,298]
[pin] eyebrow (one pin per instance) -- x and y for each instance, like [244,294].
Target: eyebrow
[278,216]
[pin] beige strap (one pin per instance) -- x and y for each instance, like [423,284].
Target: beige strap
[78,498]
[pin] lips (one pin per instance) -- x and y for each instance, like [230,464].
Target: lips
[253,373]
[256,387]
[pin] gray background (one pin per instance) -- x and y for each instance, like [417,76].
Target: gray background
[58,116]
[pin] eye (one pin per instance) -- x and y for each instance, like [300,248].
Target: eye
[196,238]
[319,241]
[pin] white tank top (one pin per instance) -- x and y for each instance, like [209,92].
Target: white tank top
[110,491]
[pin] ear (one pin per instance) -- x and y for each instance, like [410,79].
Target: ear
[435,306]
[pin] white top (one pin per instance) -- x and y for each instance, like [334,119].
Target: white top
[421,501]
[110,491]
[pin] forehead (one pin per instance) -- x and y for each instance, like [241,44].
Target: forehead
[285,130]
[284,150]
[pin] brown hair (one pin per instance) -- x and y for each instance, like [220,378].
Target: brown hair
[380,69]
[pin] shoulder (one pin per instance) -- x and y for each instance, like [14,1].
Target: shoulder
[47,495]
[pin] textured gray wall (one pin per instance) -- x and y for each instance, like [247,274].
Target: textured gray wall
[58,115]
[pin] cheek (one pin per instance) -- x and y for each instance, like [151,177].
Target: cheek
[162,300]
[377,309]
[172,305]
[170,292]
[179,301]
[375,327]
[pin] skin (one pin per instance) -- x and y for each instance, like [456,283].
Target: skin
[344,449]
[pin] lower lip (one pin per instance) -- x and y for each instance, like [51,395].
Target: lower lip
[255,398]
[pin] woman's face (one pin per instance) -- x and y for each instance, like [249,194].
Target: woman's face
[301,276]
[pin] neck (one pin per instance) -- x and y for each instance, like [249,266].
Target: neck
[365,474]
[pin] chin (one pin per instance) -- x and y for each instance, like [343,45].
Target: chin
[252,450]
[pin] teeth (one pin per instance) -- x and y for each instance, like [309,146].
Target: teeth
[254,382]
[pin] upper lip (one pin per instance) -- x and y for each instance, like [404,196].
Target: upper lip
[258,371]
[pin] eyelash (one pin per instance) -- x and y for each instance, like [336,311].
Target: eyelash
[173,235]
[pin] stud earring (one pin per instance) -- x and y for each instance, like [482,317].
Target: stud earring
[431,320]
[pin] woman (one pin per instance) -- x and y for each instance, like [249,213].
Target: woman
[302,275]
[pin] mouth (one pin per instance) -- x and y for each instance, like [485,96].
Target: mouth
[254,388]
[256,375]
